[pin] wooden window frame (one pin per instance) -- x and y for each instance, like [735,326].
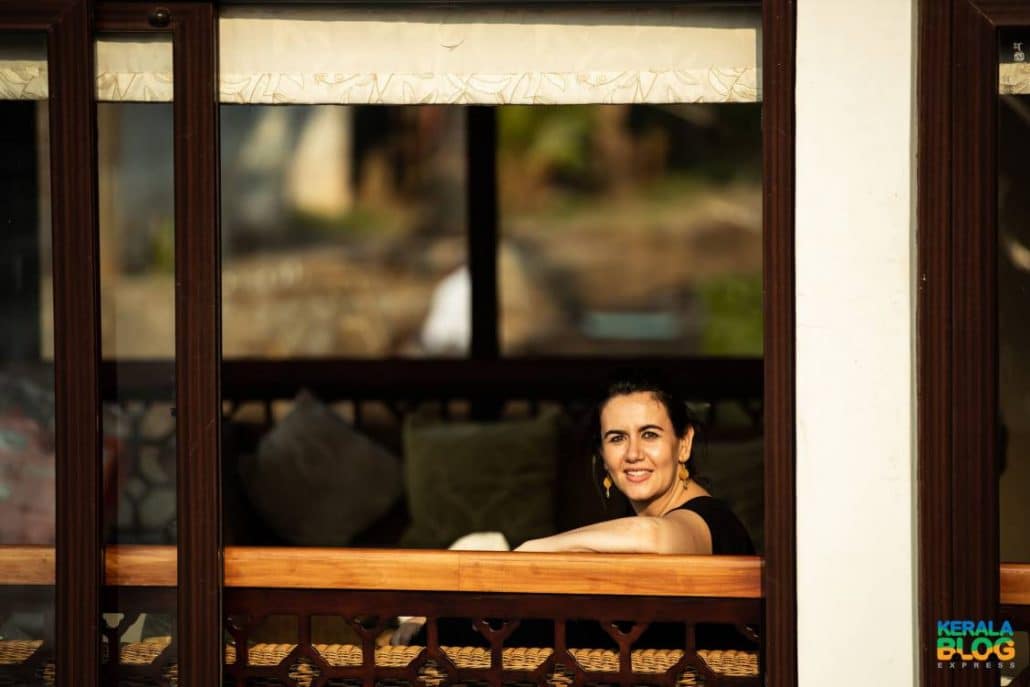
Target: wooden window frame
[193,27]
[960,572]
[76,279]
[200,552]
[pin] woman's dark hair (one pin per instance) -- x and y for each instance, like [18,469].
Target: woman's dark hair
[624,384]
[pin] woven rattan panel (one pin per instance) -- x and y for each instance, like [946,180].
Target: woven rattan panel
[22,654]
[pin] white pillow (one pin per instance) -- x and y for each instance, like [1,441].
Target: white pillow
[317,481]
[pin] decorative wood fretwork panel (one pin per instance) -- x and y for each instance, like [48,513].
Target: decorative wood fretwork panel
[504,639]
[318,638]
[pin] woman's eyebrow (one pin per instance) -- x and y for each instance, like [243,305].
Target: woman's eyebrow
[613,431]
[646,427]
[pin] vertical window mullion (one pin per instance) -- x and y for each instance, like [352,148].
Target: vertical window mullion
[76,278]
[481,140]
[198,344]
[779,39]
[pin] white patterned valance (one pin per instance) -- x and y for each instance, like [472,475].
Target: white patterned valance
[137,69]
[491,56]
[1014,78]
[23,73]
[488,56]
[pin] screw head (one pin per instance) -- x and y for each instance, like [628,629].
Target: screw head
[160,17]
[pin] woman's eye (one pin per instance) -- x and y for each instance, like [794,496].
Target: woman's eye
[614,438]
[650,435]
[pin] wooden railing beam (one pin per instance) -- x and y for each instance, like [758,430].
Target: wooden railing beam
[447,571]
[429,570]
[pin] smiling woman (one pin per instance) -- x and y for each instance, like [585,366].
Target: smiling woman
[645,437]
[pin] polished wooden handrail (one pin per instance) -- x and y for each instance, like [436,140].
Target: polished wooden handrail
[430,570]
[27,565]
[482,571]
[1015,584]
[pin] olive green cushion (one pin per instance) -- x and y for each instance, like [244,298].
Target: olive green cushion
[463,477]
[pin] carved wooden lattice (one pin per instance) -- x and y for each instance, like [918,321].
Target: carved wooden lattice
[498,659]
[306,660]
[366,662]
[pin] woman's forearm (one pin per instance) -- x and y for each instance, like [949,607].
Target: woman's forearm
[624,535]
[639,534]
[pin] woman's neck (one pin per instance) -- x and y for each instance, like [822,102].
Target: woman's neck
[670,500]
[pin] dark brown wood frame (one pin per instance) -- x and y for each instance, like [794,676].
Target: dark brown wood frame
[197,320]
[779,21]
[194,30]
[67,24]
[552,378]
[481,194]
[957,317]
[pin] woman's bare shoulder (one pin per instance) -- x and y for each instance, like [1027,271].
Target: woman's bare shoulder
[695,529]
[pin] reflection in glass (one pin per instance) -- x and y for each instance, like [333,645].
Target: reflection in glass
[624,231]
[136,212]
[27,420]
[1013,325]
[339,226]
[137,285]
[630,230]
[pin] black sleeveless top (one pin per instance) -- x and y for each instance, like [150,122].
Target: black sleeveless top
[729,537]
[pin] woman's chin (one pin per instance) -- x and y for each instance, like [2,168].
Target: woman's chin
[639,493]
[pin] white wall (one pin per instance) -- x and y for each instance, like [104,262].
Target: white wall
[855,347]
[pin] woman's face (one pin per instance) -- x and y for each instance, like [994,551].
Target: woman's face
[640,448]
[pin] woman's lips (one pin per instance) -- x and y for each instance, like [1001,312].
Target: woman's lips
[636,475]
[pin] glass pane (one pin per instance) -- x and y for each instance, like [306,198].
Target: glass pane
[1013,300]
[137,288]
[1013,327]
[27,422]
[340,225]
[677,238]
[631,230]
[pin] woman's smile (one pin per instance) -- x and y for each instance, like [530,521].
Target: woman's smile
[637,475]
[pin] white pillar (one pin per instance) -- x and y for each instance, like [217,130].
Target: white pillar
[856,422]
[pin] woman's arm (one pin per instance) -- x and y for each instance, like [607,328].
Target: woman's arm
[678,532]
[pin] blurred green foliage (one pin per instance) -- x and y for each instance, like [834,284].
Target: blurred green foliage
[162,247]
[733,308]
[556,162]
[552,141]
[359,220]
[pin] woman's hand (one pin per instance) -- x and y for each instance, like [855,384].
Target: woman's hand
[533,545]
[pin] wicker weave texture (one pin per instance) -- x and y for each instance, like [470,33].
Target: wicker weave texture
[24,658]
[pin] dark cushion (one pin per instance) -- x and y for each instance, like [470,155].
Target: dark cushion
[317,481]
[463,477]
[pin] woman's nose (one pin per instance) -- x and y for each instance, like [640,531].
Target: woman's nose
[633,450]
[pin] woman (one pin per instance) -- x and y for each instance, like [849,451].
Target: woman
[644,439]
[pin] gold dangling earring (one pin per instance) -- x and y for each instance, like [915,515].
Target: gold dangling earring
[607,486]
[684,474]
